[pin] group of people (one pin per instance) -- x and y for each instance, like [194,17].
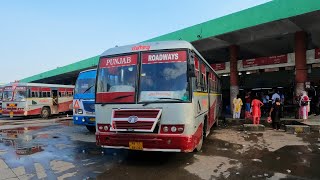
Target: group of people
[274,110]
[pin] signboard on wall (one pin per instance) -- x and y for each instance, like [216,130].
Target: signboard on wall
[265,61]
[219,66]
[317,54]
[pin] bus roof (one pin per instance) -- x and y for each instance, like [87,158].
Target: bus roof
[88,70]
[149,46]
[40,85]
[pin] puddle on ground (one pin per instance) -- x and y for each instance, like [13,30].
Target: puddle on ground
[21,139]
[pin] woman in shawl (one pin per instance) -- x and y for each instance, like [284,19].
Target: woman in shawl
[256,110]
[276,114]
[304,102]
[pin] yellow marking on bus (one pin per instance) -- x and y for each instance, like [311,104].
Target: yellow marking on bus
[205,94]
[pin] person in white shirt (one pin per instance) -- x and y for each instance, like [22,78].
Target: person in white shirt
[275,96]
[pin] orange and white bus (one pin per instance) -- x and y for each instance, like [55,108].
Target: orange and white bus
[31,99]
[1,91]
[157,96]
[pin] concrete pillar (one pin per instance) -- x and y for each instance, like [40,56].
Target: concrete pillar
[300,61]
[234,79]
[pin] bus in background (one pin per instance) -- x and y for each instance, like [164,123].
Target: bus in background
[157,96]
[32,99]
[1,92]
[83,99]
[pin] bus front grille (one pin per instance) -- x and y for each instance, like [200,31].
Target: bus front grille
[139,125]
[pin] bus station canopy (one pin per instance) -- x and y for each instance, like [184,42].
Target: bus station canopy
[260,31]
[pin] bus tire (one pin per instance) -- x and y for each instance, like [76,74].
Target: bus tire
[91,128]
[45,112]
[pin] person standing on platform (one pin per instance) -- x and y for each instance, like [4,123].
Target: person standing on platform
[256,110]
[248,104]
[237,105]
[276,113]
[275,96]
[304,102]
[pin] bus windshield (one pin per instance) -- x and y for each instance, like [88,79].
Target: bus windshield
[164,77]
[86,83]
[117,79]
[19,94]
[7,95]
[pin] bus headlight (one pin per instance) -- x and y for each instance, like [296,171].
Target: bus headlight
[80,111]
[173,129]
[104,127]
[165,129]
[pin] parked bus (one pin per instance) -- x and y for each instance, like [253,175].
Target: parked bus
[83,100]
[158,96]
[1,92]
[30,99]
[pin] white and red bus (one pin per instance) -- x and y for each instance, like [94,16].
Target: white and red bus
[1,92]
[30,99]
[157,96]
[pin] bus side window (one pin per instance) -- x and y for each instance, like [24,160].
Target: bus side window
[197,72]
[48,94]
[203,77]
[44,94]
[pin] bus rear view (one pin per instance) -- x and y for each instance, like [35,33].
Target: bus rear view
[83,100]
[146,98]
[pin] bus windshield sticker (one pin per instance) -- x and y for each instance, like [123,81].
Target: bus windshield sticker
[164,57]
[119,61]
[156,95]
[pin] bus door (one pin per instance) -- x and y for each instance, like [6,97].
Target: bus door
[55,97]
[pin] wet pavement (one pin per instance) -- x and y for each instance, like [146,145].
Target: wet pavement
[56,149]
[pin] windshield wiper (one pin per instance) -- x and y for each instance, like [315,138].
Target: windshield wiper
[172,99]
[87,89]
[146,103]
[116,98]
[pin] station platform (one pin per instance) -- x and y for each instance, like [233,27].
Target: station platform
[313,121]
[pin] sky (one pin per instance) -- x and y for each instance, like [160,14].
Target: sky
[40,35]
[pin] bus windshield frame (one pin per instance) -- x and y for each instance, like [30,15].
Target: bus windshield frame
[137,96]
[164,77]
[85,85]
[16,94]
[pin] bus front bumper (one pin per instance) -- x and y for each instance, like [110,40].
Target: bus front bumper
[13,113]
[84,120]
[150,142]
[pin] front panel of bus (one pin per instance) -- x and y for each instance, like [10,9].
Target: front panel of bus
[14,101]
[1,92]
[143,102]
[83,101]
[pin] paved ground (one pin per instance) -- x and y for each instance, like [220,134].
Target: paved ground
[56,149]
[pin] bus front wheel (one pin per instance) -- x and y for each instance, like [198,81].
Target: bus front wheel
[45,113]
[91,128]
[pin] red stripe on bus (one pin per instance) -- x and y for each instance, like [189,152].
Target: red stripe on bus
[35,111]
[115,97]
[66,106]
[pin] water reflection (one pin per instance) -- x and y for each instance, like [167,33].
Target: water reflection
[22,140]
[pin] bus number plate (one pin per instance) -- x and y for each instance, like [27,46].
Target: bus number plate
[92,119]
[136,146]
[11,114]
